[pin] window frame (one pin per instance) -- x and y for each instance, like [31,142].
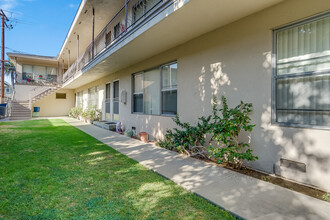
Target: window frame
[60,95]
[288,76]
[134,93]
[114,99]
[145,11]
[160,91]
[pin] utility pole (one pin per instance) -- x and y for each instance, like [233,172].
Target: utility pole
[3,16]
[3,23]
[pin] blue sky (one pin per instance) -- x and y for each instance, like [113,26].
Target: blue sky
[40,26]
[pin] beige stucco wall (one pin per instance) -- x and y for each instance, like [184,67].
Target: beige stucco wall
[50,106]
[25,92]
[235,61]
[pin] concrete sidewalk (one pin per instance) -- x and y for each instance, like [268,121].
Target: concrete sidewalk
[242,195]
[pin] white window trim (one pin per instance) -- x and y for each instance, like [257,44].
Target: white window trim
[274,75]
[161,90]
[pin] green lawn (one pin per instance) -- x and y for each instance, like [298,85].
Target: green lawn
[51,170]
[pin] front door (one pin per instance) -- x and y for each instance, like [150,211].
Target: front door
[107,102]
[115,101]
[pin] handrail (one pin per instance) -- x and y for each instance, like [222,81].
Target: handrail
[100,40]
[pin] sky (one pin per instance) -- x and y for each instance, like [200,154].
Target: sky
[39,26]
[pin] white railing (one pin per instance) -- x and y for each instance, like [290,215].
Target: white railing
[129,16]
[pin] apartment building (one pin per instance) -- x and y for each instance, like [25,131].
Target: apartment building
[143,61]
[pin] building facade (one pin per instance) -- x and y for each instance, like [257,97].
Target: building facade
[151,60]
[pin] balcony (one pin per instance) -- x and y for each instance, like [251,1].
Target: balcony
[125,21]
[141,29]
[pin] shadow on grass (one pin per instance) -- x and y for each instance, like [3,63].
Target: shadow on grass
[52,170]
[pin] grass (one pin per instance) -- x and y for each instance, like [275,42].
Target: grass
[51,170]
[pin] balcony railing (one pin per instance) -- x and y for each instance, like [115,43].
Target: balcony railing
[37,79]
[126,20]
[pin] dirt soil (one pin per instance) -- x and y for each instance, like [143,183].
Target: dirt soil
[280,181]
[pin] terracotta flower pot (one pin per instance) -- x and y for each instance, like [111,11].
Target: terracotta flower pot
[143,136]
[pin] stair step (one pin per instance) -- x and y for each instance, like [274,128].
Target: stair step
[24,118]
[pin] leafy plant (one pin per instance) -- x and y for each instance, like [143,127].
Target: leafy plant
[223,126]
[93,113]
[190,139]
[129,133]
[326,197]
[225,130]
[75,112]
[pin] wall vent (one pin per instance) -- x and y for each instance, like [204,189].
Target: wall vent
[293,165]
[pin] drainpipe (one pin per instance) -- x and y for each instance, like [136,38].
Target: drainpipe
[93,22]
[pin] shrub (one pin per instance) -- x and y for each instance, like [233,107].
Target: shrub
[225,131]
[189,140]
[93,113]
[129,133]
[224,128]
[75,112]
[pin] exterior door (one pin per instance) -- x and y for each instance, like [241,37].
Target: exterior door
[115,100]
[107,102]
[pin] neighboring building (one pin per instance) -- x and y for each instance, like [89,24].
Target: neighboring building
[8,90]
[152,59]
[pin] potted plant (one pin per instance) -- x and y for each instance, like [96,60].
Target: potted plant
[93,114]
[143,136]
[84,115]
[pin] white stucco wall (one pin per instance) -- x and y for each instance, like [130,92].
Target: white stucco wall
[235,61]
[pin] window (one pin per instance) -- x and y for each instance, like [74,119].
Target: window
[138,93]
[93,96]
[302,73]
[169,89]
[155,91]
[108,38]
[116,97]
[117,30]
[27,72]
[107,98]
[60,95]
[79,99]
[39,73]
[142,7]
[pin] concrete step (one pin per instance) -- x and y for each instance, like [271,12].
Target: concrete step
[19,118]
[16,104]
[20,112]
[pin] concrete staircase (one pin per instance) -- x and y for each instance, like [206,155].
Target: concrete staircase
[20,111]
[46,93]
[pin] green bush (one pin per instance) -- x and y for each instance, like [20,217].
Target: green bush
[189,140]
[75,112]
[92,113]
[129,133]
[223,127]
[225,131]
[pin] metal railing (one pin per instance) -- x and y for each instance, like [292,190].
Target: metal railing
[37,79]
[129,16]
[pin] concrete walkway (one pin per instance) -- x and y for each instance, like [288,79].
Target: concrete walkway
[242,195]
